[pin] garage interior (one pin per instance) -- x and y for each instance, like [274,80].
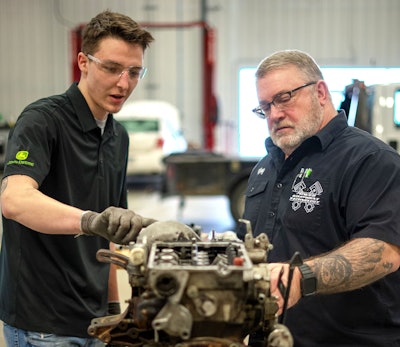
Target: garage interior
[194,63]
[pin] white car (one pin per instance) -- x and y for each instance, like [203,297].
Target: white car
[154,132]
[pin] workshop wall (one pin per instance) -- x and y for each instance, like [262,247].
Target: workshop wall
[35,48]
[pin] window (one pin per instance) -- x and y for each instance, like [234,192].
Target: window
[140,125]
[396,108]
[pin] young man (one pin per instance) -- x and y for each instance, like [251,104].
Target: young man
[329,192]
[65,175]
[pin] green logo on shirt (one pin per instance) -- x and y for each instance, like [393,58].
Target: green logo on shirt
[22,155]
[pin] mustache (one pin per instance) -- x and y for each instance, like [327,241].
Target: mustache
[281,124]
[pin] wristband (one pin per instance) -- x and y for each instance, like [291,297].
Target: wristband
[308,282]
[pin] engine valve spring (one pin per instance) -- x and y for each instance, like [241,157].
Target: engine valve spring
[202,258]
[167,256]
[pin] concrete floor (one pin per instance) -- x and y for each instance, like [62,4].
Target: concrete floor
[211,213]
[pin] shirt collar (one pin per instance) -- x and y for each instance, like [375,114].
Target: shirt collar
[328,133]
[83,111]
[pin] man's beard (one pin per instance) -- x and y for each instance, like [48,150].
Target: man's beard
[310,125]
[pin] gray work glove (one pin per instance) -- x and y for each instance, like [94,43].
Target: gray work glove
[116,224]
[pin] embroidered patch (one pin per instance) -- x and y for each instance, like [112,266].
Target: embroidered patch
[21,159]
[261,171]
[303,195]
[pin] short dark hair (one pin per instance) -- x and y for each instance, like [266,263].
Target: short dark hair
[113,24]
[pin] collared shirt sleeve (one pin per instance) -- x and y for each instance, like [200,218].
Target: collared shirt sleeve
[371,206]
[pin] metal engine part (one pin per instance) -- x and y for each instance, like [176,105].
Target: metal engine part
[189,292]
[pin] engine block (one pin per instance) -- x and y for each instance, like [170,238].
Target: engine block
[187,291]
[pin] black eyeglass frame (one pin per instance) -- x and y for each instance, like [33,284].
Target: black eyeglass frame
[259,111]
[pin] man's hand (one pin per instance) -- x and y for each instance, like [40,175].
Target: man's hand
[280,272]
[116,224]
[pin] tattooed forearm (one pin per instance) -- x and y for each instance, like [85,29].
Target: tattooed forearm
[356,264]
[333,271]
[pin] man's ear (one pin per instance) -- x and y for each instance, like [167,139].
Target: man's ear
[83,62]
[322,91]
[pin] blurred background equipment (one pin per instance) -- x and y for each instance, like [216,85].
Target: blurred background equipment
[155,131]
[202,173]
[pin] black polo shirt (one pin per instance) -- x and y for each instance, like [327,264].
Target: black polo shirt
[53,283]
[340,184]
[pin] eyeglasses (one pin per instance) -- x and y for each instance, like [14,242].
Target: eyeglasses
[116,70]
[280,101]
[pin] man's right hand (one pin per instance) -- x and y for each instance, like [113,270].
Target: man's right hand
[116,224]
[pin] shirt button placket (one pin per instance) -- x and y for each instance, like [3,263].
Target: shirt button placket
[278,186]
